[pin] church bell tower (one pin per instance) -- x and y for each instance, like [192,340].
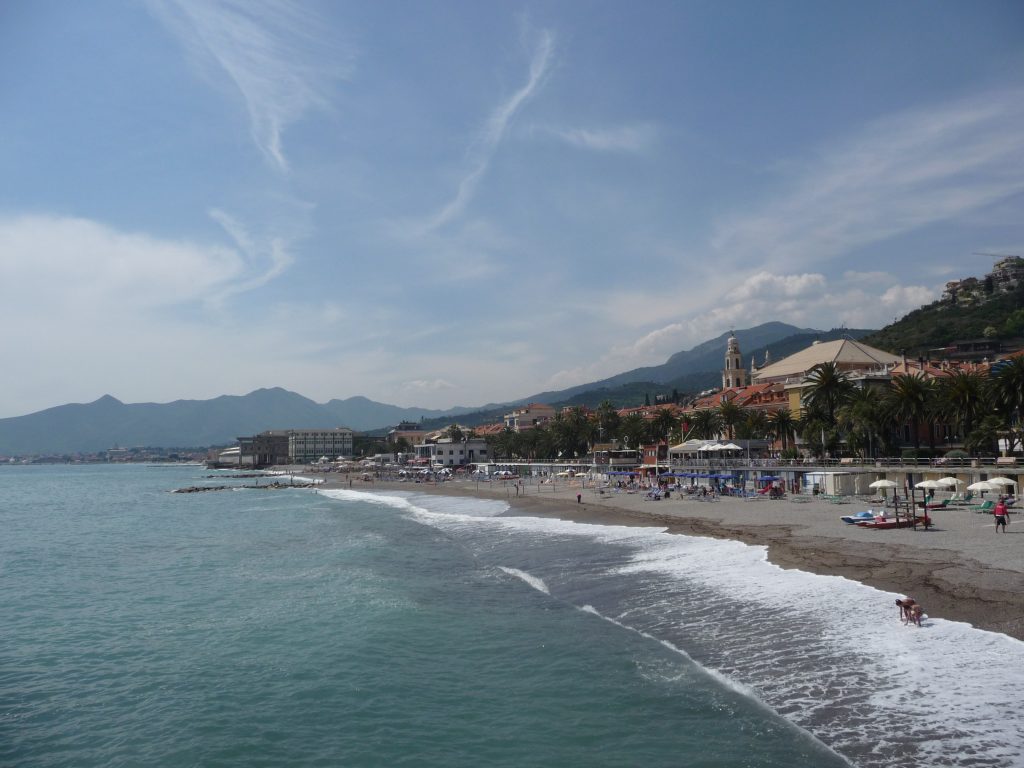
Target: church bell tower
[734,374]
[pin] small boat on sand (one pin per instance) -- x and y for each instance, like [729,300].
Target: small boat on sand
[858,517]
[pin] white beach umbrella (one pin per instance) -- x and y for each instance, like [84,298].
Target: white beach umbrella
[983,485]
[731,447]
[930,484]
[882,484]
[949,482]
[1001,481]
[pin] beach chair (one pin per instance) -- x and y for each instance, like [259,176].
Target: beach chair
[987,506]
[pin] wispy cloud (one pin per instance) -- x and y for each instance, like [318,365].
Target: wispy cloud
[900,173]
[274,52]
[494,129]
[626,138]
[265,259]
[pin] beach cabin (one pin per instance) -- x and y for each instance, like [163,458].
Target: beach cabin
[830,483]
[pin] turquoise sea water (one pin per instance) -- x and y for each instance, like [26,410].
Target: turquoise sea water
[289,627]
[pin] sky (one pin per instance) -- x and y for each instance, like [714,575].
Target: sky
[443,204]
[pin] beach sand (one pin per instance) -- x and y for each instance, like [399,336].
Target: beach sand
[961,569]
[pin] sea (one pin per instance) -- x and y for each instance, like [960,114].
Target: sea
[252,627]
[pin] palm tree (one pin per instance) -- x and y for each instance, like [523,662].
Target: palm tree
[754,425]
[633,430]
[608,421]
[730,415]
[863,420]
[963,397]
[705,424]
[664,424]
[1007,390]
[782,426]
[908,401]
[984,439]
[826,389]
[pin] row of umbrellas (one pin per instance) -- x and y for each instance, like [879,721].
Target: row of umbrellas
[992,484]
[719,447]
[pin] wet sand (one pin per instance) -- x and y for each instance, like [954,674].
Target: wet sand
[961,569]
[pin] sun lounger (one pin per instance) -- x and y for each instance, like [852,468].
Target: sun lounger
[987,506]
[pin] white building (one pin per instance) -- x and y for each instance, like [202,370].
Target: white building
[306,446]
[458,453]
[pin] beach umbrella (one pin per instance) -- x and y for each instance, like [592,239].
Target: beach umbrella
[882,484]
[1001,481]
[730,447]
[983,485]
[949,482]
[930,484]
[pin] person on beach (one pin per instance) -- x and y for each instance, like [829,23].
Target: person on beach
[1000,515]
[579,498]
[916,614]
[906,606]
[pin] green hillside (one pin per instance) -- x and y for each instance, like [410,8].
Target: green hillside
[936,325]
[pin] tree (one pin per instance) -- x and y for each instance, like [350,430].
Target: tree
[705,424]
[570,433]
[608,421]
[963,398]
[730,415]
[827,388]
[1007,390]
[984,439]
[664,424]
[863,419]
[782,426]
[753,426]
[455,433]
[633,430]
[909,401]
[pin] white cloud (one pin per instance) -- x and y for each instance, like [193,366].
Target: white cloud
[627,138]
[274,52]
[856,300]
[900,173]
[765,284]
[426,385]
[49,263]
[489,138]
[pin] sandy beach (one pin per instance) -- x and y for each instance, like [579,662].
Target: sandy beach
[961,569]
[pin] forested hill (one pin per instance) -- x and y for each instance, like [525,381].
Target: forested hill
[935,326]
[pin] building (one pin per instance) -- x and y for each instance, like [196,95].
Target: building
[530,416]
[453,453]
[306,446]
[734,374]
[410,431]
[267,449]
[294,446]
[861,363]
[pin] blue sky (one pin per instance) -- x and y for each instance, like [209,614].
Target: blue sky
[454,203]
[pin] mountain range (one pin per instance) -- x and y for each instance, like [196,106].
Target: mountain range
[108,422]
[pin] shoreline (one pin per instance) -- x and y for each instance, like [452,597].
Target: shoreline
[961,570]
